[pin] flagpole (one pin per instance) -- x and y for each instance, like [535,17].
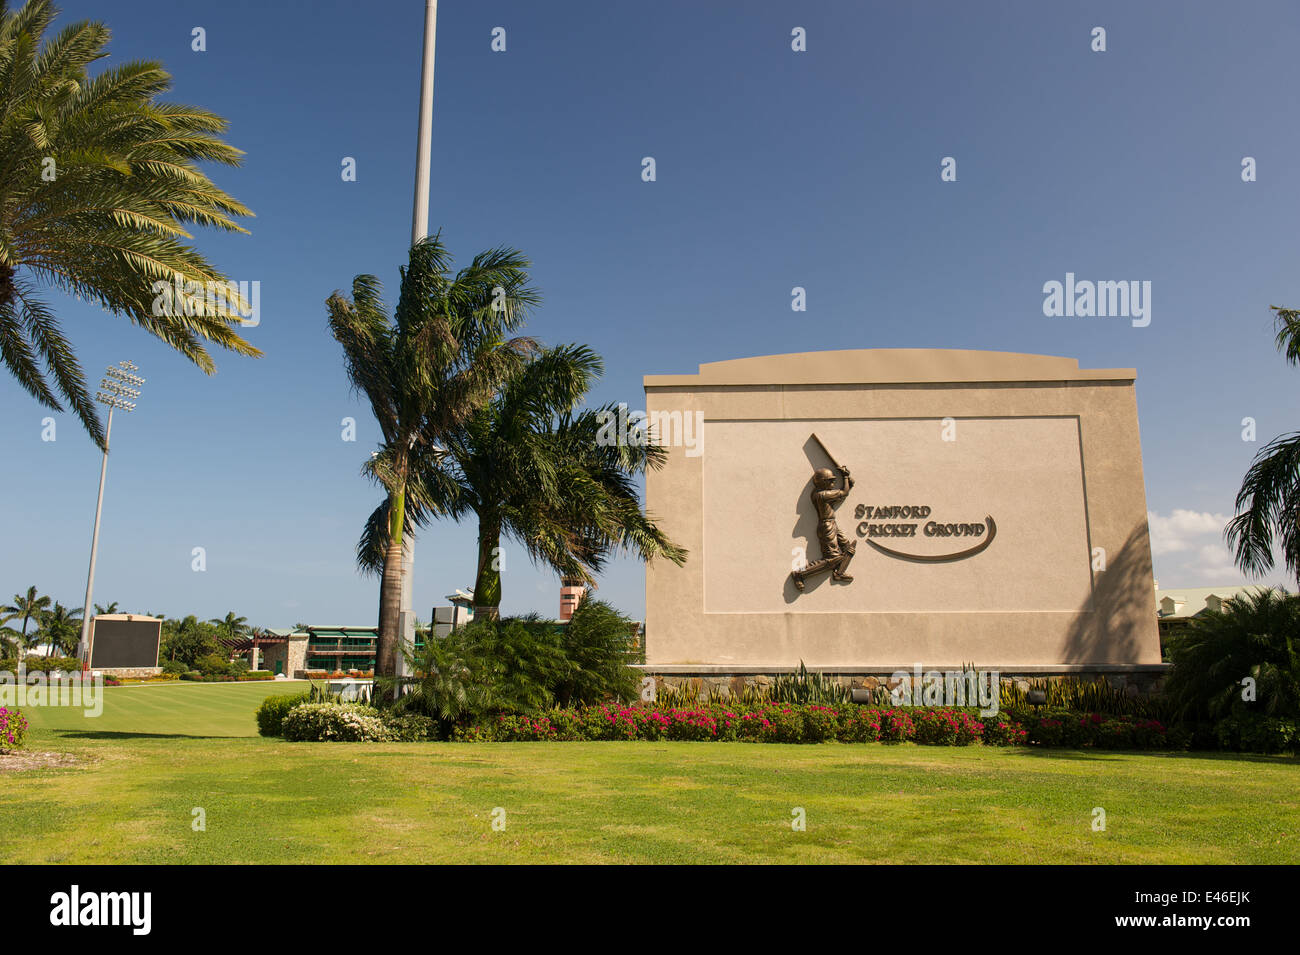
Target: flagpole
[419,230]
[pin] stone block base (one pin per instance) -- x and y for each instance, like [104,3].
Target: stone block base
[1133,679]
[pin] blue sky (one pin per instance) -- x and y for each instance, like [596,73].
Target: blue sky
[775,169]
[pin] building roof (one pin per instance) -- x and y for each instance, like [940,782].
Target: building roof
[1179,603]
[889,366]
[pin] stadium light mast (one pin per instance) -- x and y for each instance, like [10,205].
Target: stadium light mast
[118,389]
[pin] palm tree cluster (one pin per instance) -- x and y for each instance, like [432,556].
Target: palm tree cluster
[99,180]
[33,620]
[56,625]
[476,420]
[1256,637]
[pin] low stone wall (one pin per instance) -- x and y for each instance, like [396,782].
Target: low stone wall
[129,673]
[1133,679]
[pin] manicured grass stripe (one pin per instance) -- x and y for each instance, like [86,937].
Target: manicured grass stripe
[174,709]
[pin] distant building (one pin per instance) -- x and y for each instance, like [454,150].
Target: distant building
[572,590]
[1183,603]
[1178,606]
[461,612]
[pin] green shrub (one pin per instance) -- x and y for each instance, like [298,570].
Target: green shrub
[409,727]
[213,664]
[271,714]
[896,725]
[13,728]
[859,724]
[820,723]
[342,722]
[1257,733]
[1254,636]
[596,645]
[1001,730]
[946,727]
[192,675]
[175,667]
[36,664]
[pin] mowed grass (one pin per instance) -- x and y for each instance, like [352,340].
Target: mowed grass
[131,794]
[168,709]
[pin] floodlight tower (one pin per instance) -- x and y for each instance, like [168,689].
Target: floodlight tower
[119,388]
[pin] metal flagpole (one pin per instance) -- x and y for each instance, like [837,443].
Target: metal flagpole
[419,230]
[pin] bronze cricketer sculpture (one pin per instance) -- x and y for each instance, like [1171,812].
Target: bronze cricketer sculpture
[837,550]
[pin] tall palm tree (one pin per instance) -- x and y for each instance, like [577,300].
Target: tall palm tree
[99,179]
[1268,503]
[102,609]
[29,606]
[531,467]
[61,629]
[424,373]
[231,625]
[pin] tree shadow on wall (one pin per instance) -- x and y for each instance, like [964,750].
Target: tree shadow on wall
[1119,618]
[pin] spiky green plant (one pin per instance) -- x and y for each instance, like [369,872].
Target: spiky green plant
[804,686]
[1084,696]
[99,180]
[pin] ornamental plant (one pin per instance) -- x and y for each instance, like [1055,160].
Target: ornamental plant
[13,729]
[319,722]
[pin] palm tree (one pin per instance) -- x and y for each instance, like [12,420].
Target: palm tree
[11,641]
[61,629]
[531,467]
[29,606]
[1268,503]
[99,179]
[111,608]
[232,626]
[424,373]
[1256,635]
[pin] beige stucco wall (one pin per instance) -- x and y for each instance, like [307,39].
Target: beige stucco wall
[1050,451]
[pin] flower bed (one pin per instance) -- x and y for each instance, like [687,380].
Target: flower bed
[848,723]
[296,719]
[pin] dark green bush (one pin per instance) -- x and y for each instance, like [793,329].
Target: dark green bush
[270,715]
[213,664]
[409,727]
[35,664]
[520,665]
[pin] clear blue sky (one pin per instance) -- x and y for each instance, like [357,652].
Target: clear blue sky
[775,169]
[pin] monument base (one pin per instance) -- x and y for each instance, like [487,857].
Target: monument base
[1135,679]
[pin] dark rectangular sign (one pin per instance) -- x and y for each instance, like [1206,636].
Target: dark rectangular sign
[124,643]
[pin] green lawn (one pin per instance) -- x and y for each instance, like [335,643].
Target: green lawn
[169,709]
[140,772]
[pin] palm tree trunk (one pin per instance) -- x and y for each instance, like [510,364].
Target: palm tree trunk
[487,583]
[390,591]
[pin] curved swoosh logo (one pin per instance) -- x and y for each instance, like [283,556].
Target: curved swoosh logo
[941,558]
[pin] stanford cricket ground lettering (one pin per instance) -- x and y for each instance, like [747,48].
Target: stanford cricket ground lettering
[838,550]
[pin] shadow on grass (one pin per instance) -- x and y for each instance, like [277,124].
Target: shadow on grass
[114,734]
[1111,754]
